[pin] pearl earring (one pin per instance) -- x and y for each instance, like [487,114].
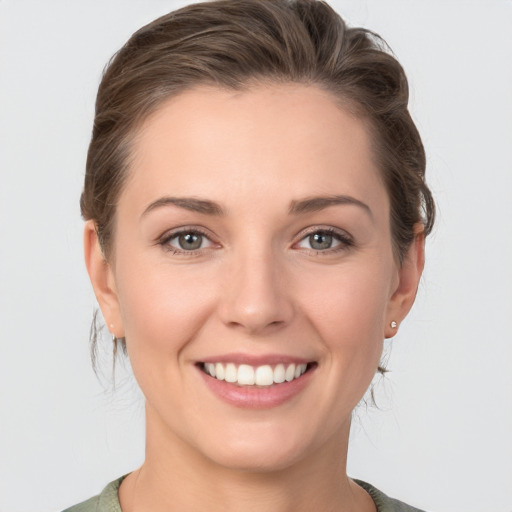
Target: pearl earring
[393,324]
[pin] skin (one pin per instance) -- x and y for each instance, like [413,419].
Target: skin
[256,286]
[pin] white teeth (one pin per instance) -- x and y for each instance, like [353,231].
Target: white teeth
[264,376]
[290,373]
[246,375]
[231,374]
[219,371]
[301,368]
[210,367]
[279,374]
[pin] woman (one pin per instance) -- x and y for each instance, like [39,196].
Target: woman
[255,213]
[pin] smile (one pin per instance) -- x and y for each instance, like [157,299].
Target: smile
[246,375]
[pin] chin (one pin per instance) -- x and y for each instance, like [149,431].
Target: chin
[253,458]
[260,450]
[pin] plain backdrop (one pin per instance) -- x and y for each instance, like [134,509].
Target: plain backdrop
[442,439]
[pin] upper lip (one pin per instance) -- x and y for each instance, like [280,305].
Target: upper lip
[256,360]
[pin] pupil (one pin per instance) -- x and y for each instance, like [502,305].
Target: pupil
[190,241]
[320,241]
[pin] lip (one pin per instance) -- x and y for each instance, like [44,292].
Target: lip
[253,397]
[255,360]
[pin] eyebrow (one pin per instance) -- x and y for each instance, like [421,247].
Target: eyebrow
[297,207]
[315,204]
[188,203]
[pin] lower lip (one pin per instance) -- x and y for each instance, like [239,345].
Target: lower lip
[252,397]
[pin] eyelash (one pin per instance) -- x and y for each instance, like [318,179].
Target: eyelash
[166,239]
[345,241]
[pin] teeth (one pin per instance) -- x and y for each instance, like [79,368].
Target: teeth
[246,375]
[279,374]
[210,367]
[264,376]
[231,373]
[289,374]
[219,371]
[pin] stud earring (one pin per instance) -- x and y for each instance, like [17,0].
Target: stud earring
[393,324]
[114,339]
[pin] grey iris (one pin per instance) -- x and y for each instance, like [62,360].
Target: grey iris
[320,241]
[190,241]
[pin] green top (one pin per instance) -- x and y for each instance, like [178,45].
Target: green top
[108,500]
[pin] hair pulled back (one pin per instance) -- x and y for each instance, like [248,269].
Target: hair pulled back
[237,43]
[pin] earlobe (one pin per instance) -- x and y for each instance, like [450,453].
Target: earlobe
[102,280]
[409,275]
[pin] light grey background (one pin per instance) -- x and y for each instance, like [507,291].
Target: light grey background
[442,440]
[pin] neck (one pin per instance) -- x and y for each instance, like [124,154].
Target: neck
[175,476]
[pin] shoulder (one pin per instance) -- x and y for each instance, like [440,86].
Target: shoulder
[106,501]
[385,503]
[91,505]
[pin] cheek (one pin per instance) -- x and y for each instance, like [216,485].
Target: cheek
[348,310]
[353,299]
[162,306]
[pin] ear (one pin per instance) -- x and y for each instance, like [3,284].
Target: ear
[102,280]
[409,275]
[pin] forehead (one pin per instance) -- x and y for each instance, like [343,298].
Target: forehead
[294,140]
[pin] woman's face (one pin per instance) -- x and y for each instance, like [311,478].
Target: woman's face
[252,241]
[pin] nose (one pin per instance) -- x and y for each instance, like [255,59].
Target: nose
[256,297]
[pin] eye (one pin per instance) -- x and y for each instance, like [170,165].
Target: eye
[324,240]
[186,241]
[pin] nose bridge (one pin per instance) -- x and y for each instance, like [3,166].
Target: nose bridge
[255,297]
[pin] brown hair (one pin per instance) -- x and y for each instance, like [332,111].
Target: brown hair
[236,43]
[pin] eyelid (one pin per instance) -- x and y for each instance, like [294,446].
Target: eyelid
[345,239]
[164,239]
